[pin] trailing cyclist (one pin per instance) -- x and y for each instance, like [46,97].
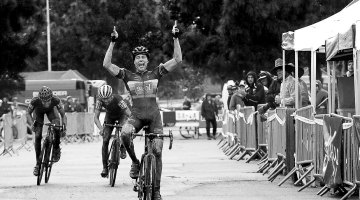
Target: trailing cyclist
[49,104]
[142,85]
[116,110]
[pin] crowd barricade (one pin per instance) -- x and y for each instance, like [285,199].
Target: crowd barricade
[8,135]
[262,136]
[229,137]
[305,146]
[281,142]
[247,130]
[339,162]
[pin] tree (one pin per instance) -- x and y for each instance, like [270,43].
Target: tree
[19,31]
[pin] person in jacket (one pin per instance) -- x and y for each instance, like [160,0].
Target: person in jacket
[237,97]
[265,80]
[255,93]
[321,98]
[209,112]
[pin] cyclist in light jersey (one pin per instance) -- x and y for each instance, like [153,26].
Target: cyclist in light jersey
[142,85]
[116,109]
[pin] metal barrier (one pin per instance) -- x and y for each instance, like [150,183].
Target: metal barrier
[281,140]
[247,130]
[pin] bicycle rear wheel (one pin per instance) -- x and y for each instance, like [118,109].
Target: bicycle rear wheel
[113,161]
[49,163]
[42,161]
[150,174]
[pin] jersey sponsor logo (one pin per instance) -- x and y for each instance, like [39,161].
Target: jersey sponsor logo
[143,88]
[57,93]
[122,104]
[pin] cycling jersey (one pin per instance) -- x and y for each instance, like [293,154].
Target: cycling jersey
[37,106]
[114,108]
[143,88]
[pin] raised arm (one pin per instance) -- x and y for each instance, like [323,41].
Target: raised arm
[113,69]
[177,57]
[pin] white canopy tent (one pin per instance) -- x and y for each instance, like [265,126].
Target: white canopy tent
[312,37]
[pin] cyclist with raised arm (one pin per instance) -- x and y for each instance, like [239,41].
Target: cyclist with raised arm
[142,85]
[49,104]
[116,110]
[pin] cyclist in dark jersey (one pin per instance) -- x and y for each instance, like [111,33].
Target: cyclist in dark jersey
[142,86]
[116,109]
[46,103]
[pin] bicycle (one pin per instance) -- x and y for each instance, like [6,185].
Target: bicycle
[114,153]
[46,151]
[145,183]
[189,132]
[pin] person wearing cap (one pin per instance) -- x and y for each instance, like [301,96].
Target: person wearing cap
[237,98]
[287,88]
[274,90]
[255,93]
[321,98]
[266,80]
[230,88]
[68,106]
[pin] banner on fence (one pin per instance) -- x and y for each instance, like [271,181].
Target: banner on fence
[332,131]
[187,115]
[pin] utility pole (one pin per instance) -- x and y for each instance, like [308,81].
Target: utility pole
[48,35]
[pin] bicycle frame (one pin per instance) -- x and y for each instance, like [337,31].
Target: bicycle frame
[148,164]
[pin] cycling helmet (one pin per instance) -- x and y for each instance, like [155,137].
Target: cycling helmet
[140,50]
[105,91]
[45,93]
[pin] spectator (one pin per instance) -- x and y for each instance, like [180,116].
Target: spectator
[186,103]
[230,88]
[304,92]
[255,92]
[265,80]
[350,69]
[321,98]
[209,112]
[287,88]
[5,107]
[273,91]
[237,98]
[68,106]
[78,106]
[219,104]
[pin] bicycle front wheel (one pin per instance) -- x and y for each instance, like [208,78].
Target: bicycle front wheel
[43,161]
[48,153]
[113,161]
[150,175]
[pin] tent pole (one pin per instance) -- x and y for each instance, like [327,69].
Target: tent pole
[296,81]
[329,87]
[313,78]
[356,82]
[333,85]
[283,78]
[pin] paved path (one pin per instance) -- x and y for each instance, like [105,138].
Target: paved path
[194,169]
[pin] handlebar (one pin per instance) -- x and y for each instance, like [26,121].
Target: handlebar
[154,135]
[113,125]
[50,124]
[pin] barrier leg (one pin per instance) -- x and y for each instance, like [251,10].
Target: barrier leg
[350,192]
[253,156]
[264,159]
[269,167]
[307,185]
[242,155]
[323,191]
[233,148]
[276,168]
[293,171]
[222,139]
[277,173]
[304,175]
[262,168]
[238,150]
